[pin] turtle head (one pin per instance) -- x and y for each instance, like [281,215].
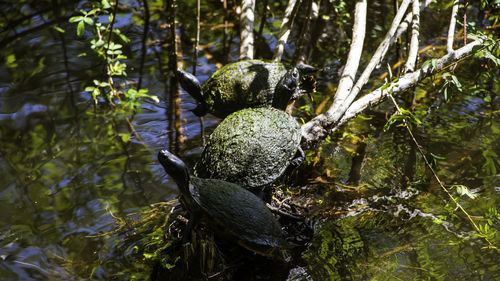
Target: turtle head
[286,88]
[190,84]
[176,168]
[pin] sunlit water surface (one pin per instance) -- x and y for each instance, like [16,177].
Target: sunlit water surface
[67,172]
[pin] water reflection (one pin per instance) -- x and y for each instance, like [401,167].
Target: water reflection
[67,171]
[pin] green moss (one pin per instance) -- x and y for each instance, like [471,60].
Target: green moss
[251,147]
[249,83]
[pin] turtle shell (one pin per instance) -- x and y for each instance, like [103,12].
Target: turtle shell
[240,213]
[251,147]
[242,84]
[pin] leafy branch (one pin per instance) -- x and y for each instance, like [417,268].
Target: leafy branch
[103,43]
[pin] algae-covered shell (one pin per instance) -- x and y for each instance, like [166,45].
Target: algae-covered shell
[247,83]
[240,213]
[234,211]
[251,147]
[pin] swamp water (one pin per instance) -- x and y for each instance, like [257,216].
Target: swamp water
[70,170]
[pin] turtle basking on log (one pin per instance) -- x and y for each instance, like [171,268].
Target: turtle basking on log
[233,211]
[252,147]
[247,83]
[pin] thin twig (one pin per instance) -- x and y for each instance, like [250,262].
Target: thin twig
[376,59]
[195,61]
[419,147]
[144,39]
[465,22]
[108,69]
[263,19]
[197,42]
[299,55]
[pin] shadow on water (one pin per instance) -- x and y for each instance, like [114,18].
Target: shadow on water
[72,175]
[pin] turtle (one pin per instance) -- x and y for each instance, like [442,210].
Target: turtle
[232,210]
[246,83]
[252,147]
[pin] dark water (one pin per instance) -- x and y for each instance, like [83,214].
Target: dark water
[68,169]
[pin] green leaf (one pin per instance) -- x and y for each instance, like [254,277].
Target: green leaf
[426,63]
[113,46]
[80,29]
[75,19]
[155,98]
[92,12]
[95,93]
[88,21]
[365,117]
[437,157]
[489,55]
[58,29]
[463,190]
[105,4]
[125,137]
[434,63]
[39,67]
[385,86]
[456,82]
[99,43]
[10,61]
[170,266]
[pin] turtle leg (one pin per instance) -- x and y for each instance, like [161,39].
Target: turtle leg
[298,159]
[194,219]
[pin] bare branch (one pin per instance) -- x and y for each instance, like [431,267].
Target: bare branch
[247,23]
[379,54]
[406,22]
[318,126]
[412,53]
[351,66]
[451,29]
[406,82]
[197,40]
[300,56]
[286,27]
